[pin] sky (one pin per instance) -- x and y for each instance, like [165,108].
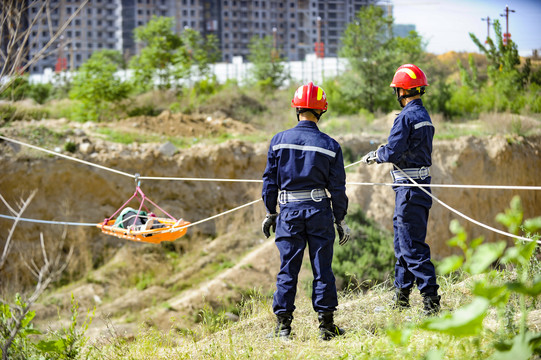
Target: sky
[446,24]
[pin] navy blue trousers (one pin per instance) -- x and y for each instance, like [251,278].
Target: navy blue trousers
[410,219]
[295,229]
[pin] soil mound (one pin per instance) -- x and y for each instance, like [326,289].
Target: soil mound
[180,125]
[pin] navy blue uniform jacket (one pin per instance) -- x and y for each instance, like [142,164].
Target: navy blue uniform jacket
[304,158]
[409,144]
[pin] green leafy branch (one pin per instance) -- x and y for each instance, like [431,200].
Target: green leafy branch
[478,258]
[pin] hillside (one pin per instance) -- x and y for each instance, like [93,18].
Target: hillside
[219,262]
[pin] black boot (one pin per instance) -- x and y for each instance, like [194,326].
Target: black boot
[327,328]
[283,326]
[401,300]
[431,304]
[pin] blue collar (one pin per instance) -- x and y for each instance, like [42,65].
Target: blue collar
[307,123]
[414,102]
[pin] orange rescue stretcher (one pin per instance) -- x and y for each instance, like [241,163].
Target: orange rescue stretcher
[173,229]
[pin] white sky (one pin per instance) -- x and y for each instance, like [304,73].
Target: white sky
[445,24]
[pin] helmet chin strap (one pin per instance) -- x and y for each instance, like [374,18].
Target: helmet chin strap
[419,91]
[316,114]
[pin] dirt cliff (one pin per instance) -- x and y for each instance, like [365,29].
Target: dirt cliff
[70,191]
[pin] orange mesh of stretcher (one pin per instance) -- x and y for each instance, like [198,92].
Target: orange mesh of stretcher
[171,230]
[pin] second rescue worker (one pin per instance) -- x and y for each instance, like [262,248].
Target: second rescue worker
[409,148]
[302,165]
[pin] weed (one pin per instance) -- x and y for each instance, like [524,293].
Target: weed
[70,146]
[367,257]
[144,280]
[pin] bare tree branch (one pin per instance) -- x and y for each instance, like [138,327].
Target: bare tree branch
[8,243]
[8,9]
[50,271]
[7,205]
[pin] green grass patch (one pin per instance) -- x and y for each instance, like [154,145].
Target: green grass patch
[41,136]
[123,137]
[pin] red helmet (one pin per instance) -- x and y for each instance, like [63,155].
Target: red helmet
[310,97]
[409,76]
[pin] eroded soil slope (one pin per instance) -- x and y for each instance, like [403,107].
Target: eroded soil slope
[231,247]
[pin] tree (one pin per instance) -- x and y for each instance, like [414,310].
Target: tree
[162,57]
[96,84]
[507,86]
[373,57]
[267,69]
[200,51]
[503,69]
[15,30]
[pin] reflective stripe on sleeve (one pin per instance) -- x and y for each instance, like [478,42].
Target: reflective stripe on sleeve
[304,148]
[421,124]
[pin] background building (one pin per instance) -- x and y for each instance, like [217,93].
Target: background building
[295,25]
[96,27]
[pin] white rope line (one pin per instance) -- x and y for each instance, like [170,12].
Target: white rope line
[352,164]
[67,157]
[47,221]
[420,186]
[465,216]
[501,187]
[95,224]
[199,179]
[217,215]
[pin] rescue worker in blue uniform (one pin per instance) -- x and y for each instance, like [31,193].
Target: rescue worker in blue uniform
[304,166]
[409,148]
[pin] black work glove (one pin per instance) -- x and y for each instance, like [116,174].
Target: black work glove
[369,158]
[344,232]
[270,221]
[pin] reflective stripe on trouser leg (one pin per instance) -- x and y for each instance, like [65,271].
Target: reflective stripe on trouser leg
[412,252]
[294,230]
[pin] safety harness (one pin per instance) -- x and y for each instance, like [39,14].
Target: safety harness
[413,173]
[316,195]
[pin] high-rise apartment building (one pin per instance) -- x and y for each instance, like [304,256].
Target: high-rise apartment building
[96,27]
[295,25]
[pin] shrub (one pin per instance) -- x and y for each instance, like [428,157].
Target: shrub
[369,254]
[10,112]
[40,92]
[7,112]
[17,90]
[145,110]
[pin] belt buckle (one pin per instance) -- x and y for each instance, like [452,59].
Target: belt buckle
[282,197]
[423,173]
[313,198]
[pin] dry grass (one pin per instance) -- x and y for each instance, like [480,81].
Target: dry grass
[366,318]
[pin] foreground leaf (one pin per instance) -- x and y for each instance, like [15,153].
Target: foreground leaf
[450,264]
[521,347]
[466,321]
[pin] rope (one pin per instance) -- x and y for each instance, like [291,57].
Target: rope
[420,186]
[67,157]
[501,187]
[199,179]
[465,216]
[217,215]
[95,224]
[48,221]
